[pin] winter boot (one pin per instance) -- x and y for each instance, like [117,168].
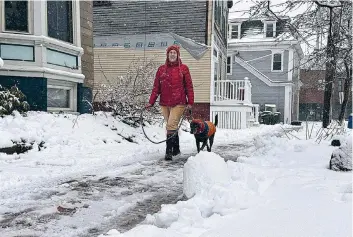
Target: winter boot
[176,147]
[169,148]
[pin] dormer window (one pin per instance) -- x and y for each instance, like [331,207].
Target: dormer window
[270,29]
[234,31]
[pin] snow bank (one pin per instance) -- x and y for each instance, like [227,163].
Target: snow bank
[77,144]
[203,171]
[341,158]
[278,181]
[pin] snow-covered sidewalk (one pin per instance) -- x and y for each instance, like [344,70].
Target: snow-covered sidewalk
[282,188]
[87,165]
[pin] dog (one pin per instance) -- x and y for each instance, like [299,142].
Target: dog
[203,131]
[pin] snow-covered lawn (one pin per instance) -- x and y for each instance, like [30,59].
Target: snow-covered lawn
[277,187]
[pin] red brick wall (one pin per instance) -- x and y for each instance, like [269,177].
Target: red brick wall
[309,92]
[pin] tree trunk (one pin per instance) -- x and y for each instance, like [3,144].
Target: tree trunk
[346,93]
[329,75]
[330,66]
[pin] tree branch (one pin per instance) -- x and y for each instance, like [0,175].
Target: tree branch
[325,5]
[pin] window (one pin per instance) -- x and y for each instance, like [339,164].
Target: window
[269,30]
[17,52]
[215,74]
[339,86]
[229,65]
[235,32]
[58,98]
[61,96]
[221,18]
[61,59]
[277,62]
[16,16]
[60,24]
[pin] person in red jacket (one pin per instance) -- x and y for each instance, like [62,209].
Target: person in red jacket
[173,84]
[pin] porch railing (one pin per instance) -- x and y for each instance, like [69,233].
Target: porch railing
[238,91]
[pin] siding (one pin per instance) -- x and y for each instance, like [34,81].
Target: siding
[261,93]
[264,64]
[114,62]
[185,18]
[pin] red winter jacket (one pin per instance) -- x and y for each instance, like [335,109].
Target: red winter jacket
[173,83]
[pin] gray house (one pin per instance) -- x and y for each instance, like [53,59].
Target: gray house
[266,53]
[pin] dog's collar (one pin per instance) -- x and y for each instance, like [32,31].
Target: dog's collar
[204,131]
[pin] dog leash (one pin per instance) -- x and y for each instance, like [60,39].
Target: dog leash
[174,134]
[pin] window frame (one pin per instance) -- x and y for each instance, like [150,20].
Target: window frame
[230,64]
[74,24]
[273,29]
[29,19]
[20,45]
[61,65]
[272,61]
[72,88]
[231,31]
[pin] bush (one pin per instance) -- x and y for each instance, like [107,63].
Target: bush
[12,99]
[126,95]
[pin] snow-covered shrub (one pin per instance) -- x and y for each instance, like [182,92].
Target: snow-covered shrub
[12,99]
[341,158]
[125,96]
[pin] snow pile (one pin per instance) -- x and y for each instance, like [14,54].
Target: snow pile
[64,129]
[203,171]
[280,181]
[341,158]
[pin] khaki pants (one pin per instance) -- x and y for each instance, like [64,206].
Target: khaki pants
[172,116]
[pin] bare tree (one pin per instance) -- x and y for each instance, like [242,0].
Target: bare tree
[126,95]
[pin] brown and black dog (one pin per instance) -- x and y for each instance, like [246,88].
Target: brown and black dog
[203,131]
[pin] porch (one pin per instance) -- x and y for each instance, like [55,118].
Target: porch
[232,92]
[232,102]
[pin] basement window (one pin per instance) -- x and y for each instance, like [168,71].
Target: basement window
[61,97]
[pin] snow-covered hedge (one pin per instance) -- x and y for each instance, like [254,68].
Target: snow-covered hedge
[12,99]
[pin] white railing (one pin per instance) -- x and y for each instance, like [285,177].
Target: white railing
[253,116]
[238,91]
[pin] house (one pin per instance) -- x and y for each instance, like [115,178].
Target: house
[126,30]
[47,49]
[262,50]
[311,99]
